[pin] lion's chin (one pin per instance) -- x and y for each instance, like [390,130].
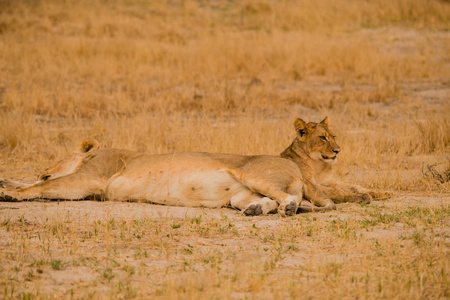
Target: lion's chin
[329,160]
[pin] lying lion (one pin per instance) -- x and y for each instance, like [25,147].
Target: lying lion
[254,184]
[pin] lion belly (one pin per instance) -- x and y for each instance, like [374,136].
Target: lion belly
[196,182]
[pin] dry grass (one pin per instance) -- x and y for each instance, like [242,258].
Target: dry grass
[221,76]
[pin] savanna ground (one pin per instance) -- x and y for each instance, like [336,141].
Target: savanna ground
[228,76]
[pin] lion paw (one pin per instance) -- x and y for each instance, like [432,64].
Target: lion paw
[291,209]
[365,199]
[288,209]
[7,198]
[381,195]
[253,210]
[359,198]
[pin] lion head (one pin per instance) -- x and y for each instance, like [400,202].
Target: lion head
[320,141]
[68,165]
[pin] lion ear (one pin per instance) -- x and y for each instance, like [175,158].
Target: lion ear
[301,128]
[325,121]
[89,145]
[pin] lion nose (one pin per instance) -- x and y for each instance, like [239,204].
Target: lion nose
[337,151]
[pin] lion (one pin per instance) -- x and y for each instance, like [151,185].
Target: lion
[315,150]
[256,185]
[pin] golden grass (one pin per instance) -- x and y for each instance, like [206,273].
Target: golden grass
[225,76]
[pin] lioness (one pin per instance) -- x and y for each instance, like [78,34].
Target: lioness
[255,184]
[315,150]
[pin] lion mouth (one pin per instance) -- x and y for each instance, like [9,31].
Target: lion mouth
[329,157]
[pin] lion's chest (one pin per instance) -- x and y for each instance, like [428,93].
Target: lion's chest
[323,173]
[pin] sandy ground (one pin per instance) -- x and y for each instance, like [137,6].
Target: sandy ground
[39,212]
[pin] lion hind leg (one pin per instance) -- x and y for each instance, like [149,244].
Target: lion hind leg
[262,206]
[243,198]
[70,187]
[252,204]
[287,203]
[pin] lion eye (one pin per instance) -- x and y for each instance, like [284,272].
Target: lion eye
[323,138]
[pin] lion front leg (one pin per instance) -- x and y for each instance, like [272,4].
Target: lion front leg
[319,201]
[359,190]
[376,195]
[344,193]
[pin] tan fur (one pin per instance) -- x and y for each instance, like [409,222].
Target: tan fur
[254,184]
[315,150]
